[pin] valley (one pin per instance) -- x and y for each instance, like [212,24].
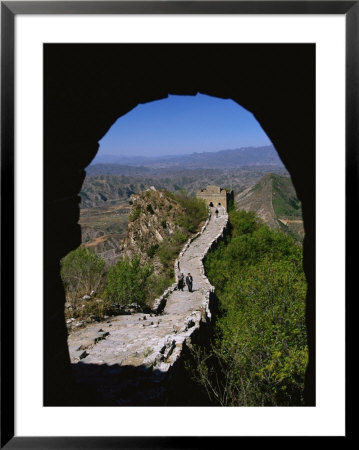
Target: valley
[105,204]
[103,228]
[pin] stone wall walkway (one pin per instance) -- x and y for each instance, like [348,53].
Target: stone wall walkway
[128,359]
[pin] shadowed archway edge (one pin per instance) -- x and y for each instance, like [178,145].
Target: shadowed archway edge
[88,86]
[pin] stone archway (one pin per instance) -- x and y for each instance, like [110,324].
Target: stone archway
[88,86]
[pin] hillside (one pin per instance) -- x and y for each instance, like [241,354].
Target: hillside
[260,345]
[103,228]
[111,272]
[152,220]
[274,200]
[105,204]
[159,225]
[110,185]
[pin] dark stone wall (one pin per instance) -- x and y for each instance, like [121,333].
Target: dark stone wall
[88,86]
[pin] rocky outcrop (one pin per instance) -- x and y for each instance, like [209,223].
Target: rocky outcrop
[153,218]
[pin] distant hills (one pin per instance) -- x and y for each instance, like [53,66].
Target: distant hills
[108,185]
[105,202]
[274,200]
[235,158]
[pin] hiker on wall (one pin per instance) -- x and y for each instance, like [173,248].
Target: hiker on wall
[189,282]
[180,282]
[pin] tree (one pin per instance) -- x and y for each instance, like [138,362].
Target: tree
[128,282]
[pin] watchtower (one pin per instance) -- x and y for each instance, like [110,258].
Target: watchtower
[214,196]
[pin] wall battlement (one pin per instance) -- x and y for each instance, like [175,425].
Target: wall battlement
[215,196]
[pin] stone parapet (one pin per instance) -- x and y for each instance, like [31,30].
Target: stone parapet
[169,348]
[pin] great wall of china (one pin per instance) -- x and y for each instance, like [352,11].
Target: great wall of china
[132,359]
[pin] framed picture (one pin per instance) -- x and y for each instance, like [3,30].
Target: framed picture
[69,71]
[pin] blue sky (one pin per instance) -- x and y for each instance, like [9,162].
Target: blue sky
[182,125]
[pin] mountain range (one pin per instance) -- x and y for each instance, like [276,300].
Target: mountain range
[235,158]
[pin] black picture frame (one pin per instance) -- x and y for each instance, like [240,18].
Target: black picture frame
[9,10]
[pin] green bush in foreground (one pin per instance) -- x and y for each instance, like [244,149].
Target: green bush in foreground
[82,272]
[128,281]
[259,353]
[152,250]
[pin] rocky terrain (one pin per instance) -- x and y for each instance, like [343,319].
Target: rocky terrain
[153,218]
[274,201]
[104,222]
[110,185]
[136,359]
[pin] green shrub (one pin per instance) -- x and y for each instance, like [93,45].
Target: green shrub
[134,214]
[179,238]
[152,250]
[157,284]
[195,212]
[167,252]
[94,309]
[127,282]
[259,353]
[150,209]
[82,271]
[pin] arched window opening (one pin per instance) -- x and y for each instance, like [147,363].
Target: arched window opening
[146,197]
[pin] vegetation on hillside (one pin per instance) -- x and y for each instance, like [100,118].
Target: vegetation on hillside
[82,272]
[275,201]
[95,290]
[195,211]
[187,221]
[83,277]
[128,282]
[285,201]
[259,351]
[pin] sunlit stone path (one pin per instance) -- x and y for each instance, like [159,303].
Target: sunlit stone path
[129,358]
